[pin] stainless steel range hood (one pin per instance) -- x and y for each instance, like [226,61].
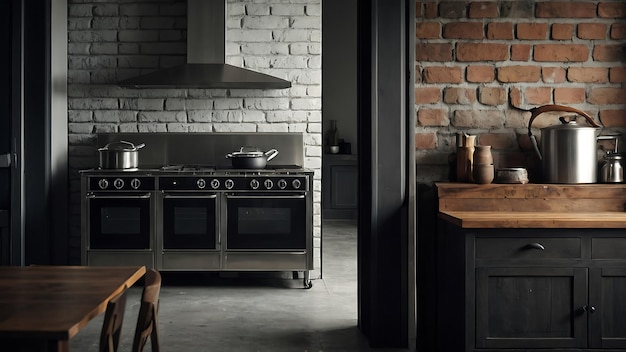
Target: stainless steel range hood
[206,67]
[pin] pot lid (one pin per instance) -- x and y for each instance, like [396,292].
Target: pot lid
[247,154]
[122,146]
[571,125]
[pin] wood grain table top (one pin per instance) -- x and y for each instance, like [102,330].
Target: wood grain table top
[56,302]
[520,219]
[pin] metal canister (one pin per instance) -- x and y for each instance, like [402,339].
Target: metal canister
[612,170]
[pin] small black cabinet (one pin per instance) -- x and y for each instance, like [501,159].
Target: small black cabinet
[531,289]
[340,186]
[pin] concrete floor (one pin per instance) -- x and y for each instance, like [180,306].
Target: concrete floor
[253,312]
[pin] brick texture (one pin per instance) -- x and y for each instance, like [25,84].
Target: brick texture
[612,10]
[609,52]
[520,52]
[566,9]
[443,75]
[588,74]
[427,30]
[519,74]
[480,74]
[427,95]
[569,95]
[464,30]
[432,117]
[500,30]
[538,95]
[553,74]
[618,31]
[592,30]
[561,52]
[433,52]
[483,9]
[482,52]
[532,31]
[425,140]
[562,31]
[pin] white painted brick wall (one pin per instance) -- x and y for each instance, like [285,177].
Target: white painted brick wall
[109,40]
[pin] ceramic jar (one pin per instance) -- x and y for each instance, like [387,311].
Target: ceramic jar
[482,170]
[482,155]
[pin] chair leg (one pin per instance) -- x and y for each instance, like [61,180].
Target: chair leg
[154,335]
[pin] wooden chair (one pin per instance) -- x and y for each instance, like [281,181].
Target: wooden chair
[112,325]
[147,322]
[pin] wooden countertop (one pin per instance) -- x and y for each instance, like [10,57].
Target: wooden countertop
[518,219]
[533,205]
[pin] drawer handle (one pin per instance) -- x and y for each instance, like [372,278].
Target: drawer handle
[589,309]
[535,245]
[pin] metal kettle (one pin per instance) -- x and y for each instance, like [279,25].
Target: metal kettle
[612,170]
[568,151]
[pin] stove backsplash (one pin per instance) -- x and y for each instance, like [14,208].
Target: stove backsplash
[207,148]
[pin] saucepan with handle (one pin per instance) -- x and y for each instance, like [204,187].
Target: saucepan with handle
[251,158]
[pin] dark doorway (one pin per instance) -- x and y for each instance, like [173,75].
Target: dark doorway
[386,129]
[5,128]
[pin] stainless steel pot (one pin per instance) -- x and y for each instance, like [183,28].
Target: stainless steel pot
[251,158]
[120,155]
[568,151]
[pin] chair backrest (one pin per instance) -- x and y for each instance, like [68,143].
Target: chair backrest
[147,322]
[112,325]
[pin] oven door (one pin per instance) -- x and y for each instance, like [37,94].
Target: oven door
[266,222]
[119,221]
[189,221]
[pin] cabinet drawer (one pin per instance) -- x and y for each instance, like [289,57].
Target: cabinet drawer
[608,248]
[528,248]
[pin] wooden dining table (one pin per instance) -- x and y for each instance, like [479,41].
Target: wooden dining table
[43,307]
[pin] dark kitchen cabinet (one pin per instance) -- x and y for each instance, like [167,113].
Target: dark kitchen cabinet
[340,186]
[539,289]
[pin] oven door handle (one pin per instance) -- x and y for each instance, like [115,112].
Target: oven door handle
[119,196]
[296,196]
[186,196]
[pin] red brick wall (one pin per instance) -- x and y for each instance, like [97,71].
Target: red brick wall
[479,62]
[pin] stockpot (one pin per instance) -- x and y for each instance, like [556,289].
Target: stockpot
[120,155]
[568,151]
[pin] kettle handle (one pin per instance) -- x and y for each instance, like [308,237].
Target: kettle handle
[546,108]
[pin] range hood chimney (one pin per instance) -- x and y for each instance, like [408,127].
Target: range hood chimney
[206,67]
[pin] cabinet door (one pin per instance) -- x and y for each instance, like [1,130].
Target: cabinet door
[531,307]
[344,186]
[607,313]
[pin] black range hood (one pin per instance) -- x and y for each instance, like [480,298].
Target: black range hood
[206,67]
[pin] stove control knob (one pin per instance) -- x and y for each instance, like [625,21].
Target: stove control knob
[282,184]
[296,184]
[229,183]
[118,183]
[254,184]
[103,183]
[135,183]
[201,183]
[215,183]
[268,184]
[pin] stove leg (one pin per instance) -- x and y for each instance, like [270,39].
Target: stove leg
[307,282]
